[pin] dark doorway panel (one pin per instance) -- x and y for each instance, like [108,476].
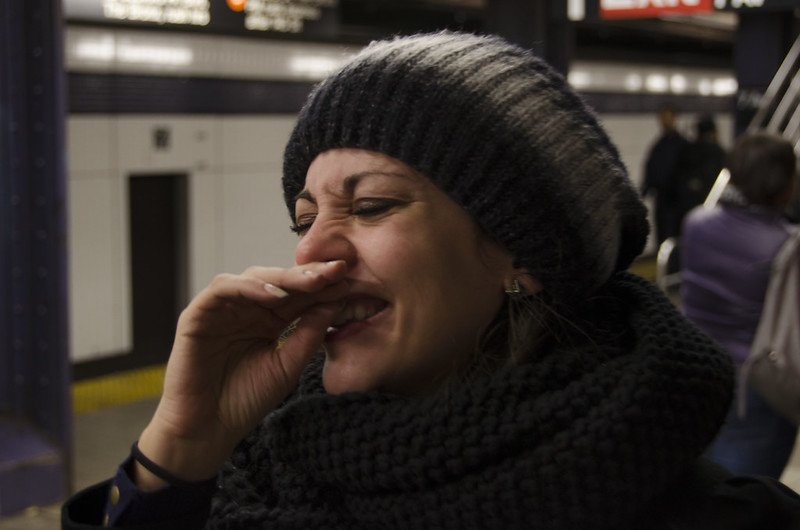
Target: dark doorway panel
[158,234]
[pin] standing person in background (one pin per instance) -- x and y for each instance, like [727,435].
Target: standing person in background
[698,166]
[726,258]
[659,173]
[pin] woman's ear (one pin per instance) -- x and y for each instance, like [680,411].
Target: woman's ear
[521,282]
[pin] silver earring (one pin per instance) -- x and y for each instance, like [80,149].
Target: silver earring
[515,289]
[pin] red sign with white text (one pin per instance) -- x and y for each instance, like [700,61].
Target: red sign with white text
[610,9]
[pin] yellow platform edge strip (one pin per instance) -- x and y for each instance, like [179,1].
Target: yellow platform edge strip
[117,389]
[644,267]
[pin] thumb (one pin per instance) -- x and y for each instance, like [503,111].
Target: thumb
[306,338]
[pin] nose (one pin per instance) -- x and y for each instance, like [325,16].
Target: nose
[326,240]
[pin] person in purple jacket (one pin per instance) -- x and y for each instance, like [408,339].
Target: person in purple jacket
[726,255]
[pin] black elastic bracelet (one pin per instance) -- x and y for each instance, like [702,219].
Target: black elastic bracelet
[162,473]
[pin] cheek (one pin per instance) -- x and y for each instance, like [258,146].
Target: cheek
[449,288]
[394,255]
[384,257]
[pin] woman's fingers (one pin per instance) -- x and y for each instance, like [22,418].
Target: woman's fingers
[285,293]
[305,339]
[307,278]
[271,285]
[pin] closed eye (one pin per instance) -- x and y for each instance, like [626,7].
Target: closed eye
[302,224]
[363,208]
[299,229]
[374,207]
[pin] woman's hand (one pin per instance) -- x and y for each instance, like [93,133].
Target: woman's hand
[227,369]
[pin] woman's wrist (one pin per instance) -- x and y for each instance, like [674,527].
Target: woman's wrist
[182,460]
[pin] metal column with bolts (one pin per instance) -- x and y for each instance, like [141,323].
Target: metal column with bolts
[35,405]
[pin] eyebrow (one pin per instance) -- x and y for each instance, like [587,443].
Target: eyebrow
[351,181]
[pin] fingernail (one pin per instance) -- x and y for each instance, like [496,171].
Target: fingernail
[308,272]
[334,262]
[274,289]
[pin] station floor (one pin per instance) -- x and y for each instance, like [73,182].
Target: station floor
[111,411]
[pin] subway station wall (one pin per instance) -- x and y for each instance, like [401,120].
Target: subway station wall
[235,211]
[235,218]
[214,112]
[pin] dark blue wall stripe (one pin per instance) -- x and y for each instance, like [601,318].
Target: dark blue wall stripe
[616,103]
[108,94]
[140,94]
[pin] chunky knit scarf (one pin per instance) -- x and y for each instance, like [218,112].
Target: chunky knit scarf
[588,436]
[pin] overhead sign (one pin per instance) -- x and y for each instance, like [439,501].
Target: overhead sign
[317,17]
[182,12]
[616,9]
[759,5]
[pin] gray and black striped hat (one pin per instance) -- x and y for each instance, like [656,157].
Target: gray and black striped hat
[502,134]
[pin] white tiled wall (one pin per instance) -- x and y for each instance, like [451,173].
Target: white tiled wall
[93,226]
[236,212]
[253,218]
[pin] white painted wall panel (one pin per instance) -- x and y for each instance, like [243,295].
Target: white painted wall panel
[204,222]
[255,223]
[192,144]
[254,217]
[94,308]
[260,140]
[633,134]
[91,144]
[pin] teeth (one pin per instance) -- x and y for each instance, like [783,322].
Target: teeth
[356,311]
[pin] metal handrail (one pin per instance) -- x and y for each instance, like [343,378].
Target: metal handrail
[792,130]
[786,104]
[716,190]
[664,279]
[775,86]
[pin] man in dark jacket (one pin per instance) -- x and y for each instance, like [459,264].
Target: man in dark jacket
[698,166]
[659,174]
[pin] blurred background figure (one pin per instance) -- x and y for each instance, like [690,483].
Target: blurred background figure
[659,172]
[696,169]
[726,256]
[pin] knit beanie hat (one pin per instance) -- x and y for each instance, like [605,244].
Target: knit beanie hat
[502,134]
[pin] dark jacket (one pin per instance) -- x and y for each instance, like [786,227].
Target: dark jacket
[660,179]
[697,168]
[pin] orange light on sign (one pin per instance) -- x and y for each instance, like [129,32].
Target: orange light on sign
[611,9]
[236,5]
